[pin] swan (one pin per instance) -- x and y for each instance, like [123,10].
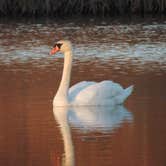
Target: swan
[85,93]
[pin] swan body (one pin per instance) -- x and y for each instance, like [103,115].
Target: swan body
[98,93]
[85,93]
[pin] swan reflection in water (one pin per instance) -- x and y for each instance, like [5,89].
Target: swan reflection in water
[89,119]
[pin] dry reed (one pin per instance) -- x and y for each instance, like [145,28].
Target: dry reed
[80,7]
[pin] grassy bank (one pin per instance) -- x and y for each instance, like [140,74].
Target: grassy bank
[80,7]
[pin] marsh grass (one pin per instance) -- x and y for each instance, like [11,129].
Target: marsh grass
[80,7]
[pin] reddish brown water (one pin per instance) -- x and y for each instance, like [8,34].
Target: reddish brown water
[29,77]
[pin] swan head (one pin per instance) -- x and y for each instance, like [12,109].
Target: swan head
[61,46]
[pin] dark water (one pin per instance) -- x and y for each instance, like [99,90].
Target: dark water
[130,135]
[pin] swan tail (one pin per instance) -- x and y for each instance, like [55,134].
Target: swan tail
[122,97]
[128,91]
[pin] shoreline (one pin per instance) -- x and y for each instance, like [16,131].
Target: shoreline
[134,19]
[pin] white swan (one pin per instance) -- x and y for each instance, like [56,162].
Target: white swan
[85,93]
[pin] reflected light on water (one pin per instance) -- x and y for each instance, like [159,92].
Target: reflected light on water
[139,43]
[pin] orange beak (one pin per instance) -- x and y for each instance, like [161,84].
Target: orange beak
[54,50]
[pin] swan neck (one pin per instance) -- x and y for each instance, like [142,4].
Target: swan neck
[65,81]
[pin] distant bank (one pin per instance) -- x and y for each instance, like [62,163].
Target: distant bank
[69,8]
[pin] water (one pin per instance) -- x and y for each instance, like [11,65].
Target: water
[128,53]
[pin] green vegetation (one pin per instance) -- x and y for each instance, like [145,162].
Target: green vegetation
[80,7]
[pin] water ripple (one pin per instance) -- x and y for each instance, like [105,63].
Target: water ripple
[138,43]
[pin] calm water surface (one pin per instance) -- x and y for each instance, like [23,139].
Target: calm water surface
[130,135]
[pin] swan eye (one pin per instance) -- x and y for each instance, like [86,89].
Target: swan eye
[58,45]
